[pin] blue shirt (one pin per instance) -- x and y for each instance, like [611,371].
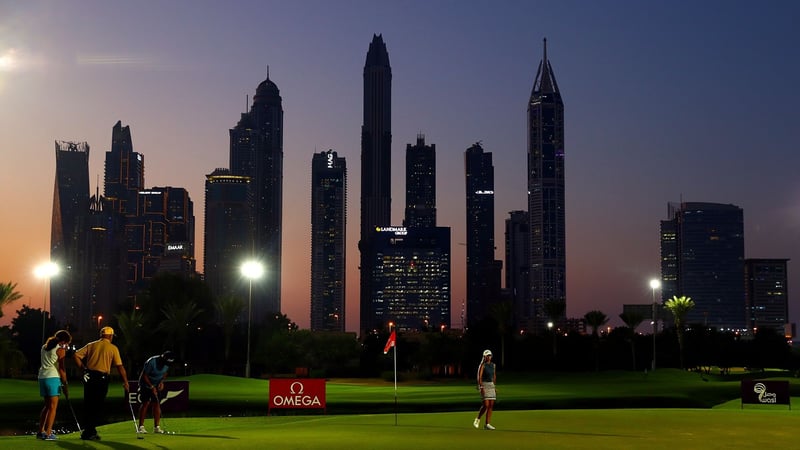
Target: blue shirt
[151,369]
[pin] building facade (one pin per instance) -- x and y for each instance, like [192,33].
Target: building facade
[228,233]
[420,184]
[256,152]
[546,200]
[483,271]
[517,271]
[410,279]
[328,241]
[124,172]
[767,295]
[69,290]
[702,248]
[376,169]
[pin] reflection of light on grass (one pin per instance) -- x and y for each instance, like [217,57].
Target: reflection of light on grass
[8,60]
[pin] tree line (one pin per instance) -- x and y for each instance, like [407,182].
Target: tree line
[209,336]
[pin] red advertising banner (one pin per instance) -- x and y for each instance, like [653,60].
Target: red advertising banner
[174,397]
[301,393]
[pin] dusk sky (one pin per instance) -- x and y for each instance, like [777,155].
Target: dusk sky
[664,101]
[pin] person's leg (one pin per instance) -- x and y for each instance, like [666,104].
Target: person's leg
[51,414]
[90,397]
[489,408]
[482,410]
[143,411]
[43,416]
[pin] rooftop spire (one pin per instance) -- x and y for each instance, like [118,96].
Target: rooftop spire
[545,82]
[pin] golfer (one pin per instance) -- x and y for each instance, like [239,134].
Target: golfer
[96,359]
[151,382]
[487,376]
[52,379]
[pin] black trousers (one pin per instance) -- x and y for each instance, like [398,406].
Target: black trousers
[95,390]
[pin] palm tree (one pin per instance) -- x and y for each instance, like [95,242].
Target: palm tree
[8,294]
[554,310]
[178,322]
[679,307]
[596,319]
[632,320]
[228,309]
[501,313]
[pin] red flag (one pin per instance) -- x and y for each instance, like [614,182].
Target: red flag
[390,343]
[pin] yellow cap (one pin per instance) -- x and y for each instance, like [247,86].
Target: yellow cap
[106,331]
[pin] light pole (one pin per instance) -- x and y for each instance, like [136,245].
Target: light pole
[654,284]
[45,272]
[252,270]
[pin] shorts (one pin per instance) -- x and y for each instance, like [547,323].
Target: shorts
[488,392]
[146,395]
[49,387]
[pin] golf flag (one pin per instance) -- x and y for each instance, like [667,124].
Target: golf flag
[390,343]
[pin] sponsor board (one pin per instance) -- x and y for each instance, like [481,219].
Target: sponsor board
[297,393]
[765,392]
[174,397]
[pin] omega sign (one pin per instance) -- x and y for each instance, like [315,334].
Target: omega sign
[305,393]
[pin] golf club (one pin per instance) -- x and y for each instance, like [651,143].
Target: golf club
[161,420]
[66,396]
[133,416]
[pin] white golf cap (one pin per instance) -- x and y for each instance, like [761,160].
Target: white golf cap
[487,353]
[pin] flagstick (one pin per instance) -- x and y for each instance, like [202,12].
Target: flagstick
[395,383]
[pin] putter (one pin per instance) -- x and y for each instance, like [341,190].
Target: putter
[133,416]
[74,416]
[163,426]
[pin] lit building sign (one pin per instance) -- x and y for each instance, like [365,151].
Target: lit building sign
[330,160]
[150,192]
[484,192]
[398,231]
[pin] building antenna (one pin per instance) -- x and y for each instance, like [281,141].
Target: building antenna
[246,102]
[268,71]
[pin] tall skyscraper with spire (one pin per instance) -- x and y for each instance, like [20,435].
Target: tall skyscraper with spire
[256,151]
[376,166]
[546,191]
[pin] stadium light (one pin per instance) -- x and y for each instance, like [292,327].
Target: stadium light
[654,284]
[45,272]
[252,270]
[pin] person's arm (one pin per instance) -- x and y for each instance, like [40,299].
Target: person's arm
[480,376]
[124,375]
[62,373]
[147,382]
[494,374]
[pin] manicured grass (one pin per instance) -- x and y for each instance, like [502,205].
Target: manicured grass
[552,429]
[665,409]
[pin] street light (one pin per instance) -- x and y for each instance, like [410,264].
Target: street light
[654,284]
[45,272]
[252,270]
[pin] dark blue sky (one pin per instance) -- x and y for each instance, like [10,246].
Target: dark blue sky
[664,101]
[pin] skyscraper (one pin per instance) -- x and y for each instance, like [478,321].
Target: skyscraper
[767,295]
[410,282]
[161,235]
[228,229]
[124,172]
[256,151]
[328,239]
[483,271]
[702,248]
[69,291]
[376,166]
[420,184]
[546,191]
[517,272]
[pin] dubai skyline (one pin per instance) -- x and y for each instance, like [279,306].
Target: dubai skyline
[663,103]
